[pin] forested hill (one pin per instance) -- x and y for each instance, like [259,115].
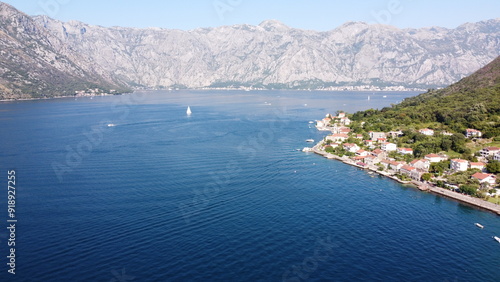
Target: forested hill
[473,102]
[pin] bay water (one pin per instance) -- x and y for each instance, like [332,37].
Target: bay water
[131,188]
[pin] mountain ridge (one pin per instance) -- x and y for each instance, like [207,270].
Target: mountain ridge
[272,53]
[268,55]
[472,102]
[36,64]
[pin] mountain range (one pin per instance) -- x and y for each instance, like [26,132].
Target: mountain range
[41,56]
[472,102]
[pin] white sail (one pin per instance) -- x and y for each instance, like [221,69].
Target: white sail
[188,112]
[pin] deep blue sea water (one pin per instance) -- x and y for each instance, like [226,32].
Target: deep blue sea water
[222,195]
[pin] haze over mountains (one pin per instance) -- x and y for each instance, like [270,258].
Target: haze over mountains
[35,50]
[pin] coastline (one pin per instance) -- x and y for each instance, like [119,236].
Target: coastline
[425,187]
[61,97]
[221,89]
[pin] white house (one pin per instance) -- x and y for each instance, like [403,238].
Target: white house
[426,131]
[368,142]
[353,148]
[344,130]
[473,133]
[337,137]
[376,135]
[405,151]
[489,151]
[411,172]
[362,153]
[491,179]
[332,145]
[394,165]
[345,120]
[496,156]
[459,165]
[388,147]
[321,125]
[395,134]
[433,158]
[379,154]
[371,160]
[421,164]
[479,165]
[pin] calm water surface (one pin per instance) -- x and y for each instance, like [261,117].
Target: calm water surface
[222,195]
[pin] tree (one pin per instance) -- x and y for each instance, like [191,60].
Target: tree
[439,167]
[468,189]
[426,176]
[446,144]
[493,166]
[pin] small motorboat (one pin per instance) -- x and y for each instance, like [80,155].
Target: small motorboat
[310,140]
[111,125]
[496,239]
[479,225]
[307,149]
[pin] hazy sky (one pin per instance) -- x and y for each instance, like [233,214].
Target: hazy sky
[312,14]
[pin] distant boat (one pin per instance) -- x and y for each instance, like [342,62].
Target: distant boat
[479,225]
[188,111]
[307,149]
[311,122]
[310,140]
[385,96]
[368,98]
[496,238]
[111,124]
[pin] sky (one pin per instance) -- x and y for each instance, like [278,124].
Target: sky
[320,15]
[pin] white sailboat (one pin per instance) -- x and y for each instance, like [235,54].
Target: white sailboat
[188,112]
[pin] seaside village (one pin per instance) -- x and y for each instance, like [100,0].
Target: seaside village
[378,152]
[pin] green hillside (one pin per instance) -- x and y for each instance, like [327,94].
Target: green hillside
[473,102]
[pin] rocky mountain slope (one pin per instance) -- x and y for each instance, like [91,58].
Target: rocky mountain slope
[274,54]
[41,55]
[35,63]
[472,102]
